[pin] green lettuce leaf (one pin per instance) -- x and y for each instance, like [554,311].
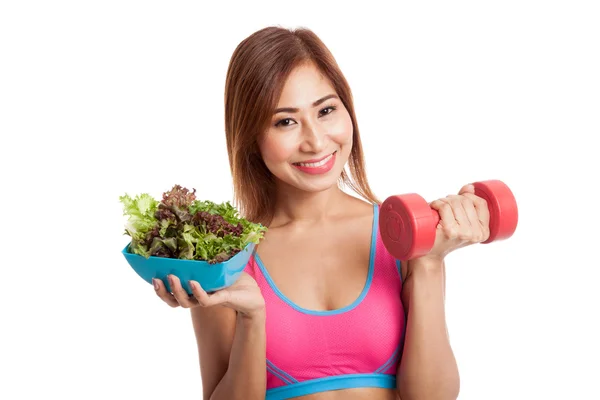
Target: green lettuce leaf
[140,210]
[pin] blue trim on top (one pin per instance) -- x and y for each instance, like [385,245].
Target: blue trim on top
[399,265]
[280,373]
[348,381]
[389,362]
[339,310]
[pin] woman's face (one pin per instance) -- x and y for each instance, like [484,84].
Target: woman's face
[309,138]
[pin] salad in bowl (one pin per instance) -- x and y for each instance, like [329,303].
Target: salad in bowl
[193,239]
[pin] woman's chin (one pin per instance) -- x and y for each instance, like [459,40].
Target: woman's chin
[315,183]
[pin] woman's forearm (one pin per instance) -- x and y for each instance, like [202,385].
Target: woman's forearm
[246,375]
[428,368]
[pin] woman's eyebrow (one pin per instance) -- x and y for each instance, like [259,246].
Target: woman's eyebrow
[316,103]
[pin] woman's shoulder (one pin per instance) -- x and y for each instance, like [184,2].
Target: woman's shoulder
[361,209]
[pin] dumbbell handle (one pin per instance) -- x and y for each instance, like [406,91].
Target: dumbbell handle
[435,217]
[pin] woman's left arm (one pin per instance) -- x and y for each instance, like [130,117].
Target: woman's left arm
[428,368]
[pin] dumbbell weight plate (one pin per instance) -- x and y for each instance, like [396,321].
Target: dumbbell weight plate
[407,226]
[502,205]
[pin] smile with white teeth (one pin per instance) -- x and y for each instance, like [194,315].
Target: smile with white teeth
[317,164]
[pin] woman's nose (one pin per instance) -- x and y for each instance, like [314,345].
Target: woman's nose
[313,138]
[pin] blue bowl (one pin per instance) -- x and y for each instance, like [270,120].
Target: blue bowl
[211,277]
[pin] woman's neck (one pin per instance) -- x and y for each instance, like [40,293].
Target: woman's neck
[297,206]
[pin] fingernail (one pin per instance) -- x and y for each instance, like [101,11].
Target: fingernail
[155,283]
[170,279]
[191,285]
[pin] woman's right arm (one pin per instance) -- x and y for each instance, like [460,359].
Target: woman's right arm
[229,325]
[231,349]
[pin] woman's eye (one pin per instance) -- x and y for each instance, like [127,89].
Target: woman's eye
[284,122]
[327,110]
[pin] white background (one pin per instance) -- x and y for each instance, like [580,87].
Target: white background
[102,98]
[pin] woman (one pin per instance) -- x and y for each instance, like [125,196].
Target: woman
[322,310]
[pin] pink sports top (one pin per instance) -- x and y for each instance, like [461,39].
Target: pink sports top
[359,345]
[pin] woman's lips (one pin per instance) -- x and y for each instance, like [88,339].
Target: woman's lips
[320,167]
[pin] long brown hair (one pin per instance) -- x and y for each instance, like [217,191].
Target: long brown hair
[256,75]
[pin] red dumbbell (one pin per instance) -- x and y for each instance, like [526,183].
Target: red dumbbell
[408,224]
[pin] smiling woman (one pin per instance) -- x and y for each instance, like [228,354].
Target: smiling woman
[321,309]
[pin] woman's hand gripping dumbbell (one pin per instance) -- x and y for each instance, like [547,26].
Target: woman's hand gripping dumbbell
[408,223]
